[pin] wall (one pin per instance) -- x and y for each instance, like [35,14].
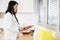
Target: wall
[1,23]
[28,18]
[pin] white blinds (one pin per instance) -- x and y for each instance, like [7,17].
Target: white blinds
[52,12]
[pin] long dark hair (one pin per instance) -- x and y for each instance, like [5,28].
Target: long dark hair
[11,9]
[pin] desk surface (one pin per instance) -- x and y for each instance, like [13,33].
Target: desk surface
[25,37]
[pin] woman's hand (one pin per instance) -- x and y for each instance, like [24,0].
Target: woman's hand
[21,28]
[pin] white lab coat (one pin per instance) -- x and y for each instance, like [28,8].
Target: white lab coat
[10,27]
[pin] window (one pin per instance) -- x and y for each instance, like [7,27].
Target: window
[49,14]
[52,12]
[41,19]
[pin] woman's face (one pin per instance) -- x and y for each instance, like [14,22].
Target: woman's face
[15,7]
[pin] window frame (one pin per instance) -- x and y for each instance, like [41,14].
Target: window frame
[45,24]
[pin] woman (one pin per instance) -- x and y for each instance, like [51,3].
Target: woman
[11,24]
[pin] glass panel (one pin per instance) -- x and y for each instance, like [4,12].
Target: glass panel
[41,11]
[52,12]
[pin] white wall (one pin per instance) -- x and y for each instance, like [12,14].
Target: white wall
[28,18]
[3,5]
[25,5]
[1,23]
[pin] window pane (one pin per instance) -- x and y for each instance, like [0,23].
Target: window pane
[41,17]
[52,12]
